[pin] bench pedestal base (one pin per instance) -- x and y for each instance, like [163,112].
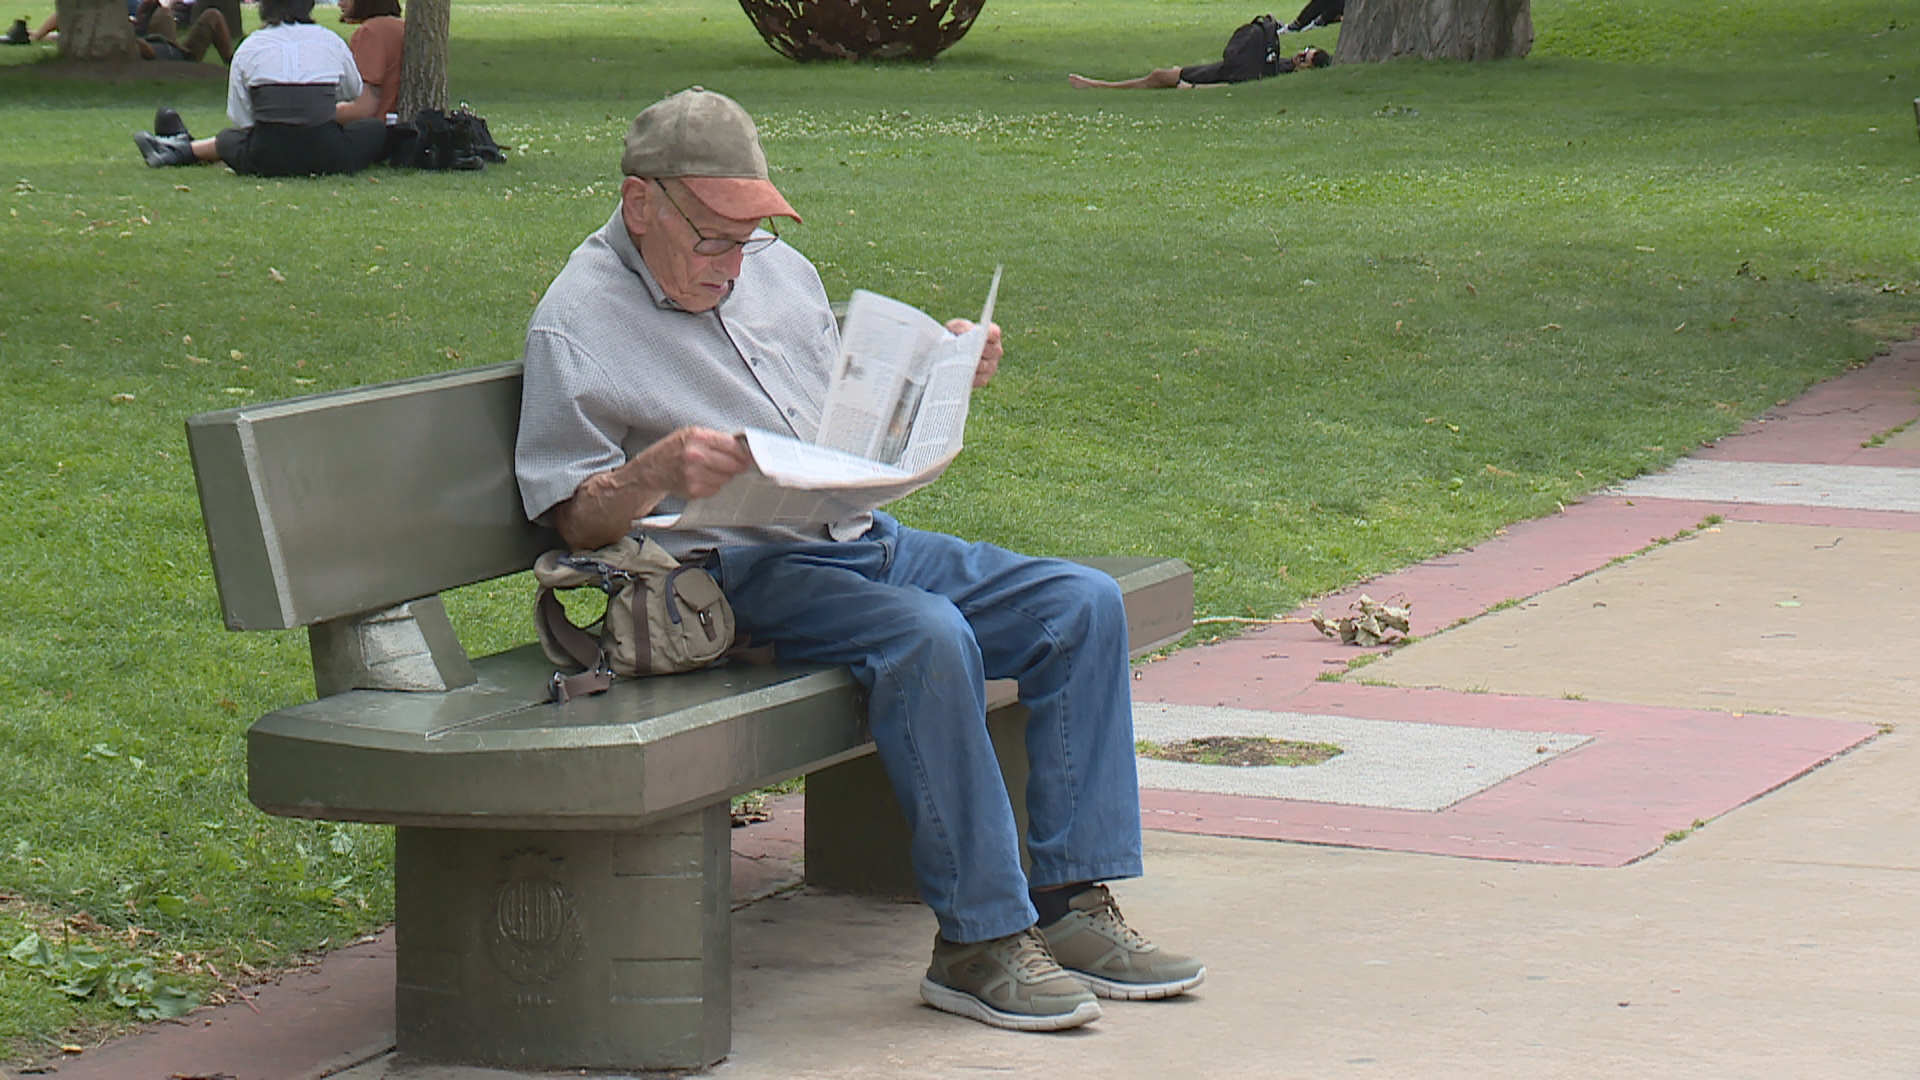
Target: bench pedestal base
[566,949]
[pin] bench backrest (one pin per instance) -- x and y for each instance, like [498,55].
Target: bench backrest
[337,504]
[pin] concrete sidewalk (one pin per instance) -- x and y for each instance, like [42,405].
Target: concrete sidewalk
[1712,869]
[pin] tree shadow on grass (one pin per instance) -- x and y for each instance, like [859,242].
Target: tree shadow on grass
[55,69]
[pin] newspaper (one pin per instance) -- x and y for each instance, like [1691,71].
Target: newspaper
[895,414]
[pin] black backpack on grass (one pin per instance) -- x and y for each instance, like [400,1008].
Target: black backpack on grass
[1253,52]
[443,140]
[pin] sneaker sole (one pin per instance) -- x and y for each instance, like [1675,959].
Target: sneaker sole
[961,1003]
[1123,991]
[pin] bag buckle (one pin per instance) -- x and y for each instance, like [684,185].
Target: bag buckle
[563,688]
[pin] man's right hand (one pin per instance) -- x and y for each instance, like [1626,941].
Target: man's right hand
[692,463]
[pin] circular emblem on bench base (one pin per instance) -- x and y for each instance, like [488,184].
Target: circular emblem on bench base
[533,930]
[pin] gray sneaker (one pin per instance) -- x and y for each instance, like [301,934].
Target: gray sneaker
[1097,947]
[1010,982]
[163,150]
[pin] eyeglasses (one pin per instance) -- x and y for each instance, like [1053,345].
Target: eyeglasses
[720,245]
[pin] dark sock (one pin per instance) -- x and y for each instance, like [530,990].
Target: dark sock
[1052,904]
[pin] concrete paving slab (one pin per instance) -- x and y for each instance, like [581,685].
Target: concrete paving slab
[1823,516]
[1747,617]
[1328,962]
[1853,487]
[1391,764]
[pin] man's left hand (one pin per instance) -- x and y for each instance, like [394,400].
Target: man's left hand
[989,356]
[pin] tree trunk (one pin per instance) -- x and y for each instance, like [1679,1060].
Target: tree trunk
[423,65]
[1375,30]
[95,30]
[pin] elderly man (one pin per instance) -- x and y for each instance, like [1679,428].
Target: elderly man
[686,319]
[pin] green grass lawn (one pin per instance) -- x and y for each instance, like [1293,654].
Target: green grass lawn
[1295,333]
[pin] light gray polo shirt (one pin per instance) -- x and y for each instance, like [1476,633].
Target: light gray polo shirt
[613,366]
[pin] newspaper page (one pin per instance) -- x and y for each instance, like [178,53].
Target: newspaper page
[894,419]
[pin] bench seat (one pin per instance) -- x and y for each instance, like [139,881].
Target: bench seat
[497,754]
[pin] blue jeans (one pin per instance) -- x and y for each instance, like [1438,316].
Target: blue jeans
[924,619]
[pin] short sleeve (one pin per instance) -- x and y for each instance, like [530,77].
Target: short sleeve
[373,53]
[569,429]
[239,101]
[350,83]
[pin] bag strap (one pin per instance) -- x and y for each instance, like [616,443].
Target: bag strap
[559,633]
[557,630]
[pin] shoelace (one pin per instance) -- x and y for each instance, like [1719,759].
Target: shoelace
[1028,956]
[1109,914]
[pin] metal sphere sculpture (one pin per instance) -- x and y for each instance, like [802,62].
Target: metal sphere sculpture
[862,29]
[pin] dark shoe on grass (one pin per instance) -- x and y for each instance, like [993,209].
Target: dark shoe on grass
[167,122]
[161,151]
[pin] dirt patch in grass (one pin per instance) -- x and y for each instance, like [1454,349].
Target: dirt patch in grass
[1240,750]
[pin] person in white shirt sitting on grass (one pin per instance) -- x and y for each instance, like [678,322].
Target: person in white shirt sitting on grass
[298,104]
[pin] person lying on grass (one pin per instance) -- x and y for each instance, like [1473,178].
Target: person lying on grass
[156,31]
[1218,73]
[156,25]
[298,104]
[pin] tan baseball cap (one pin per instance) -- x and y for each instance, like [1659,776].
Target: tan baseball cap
[711,145]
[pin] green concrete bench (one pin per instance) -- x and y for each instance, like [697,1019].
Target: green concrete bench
[562,871]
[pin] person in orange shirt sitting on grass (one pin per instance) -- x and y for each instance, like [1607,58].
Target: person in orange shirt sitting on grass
[376,44]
